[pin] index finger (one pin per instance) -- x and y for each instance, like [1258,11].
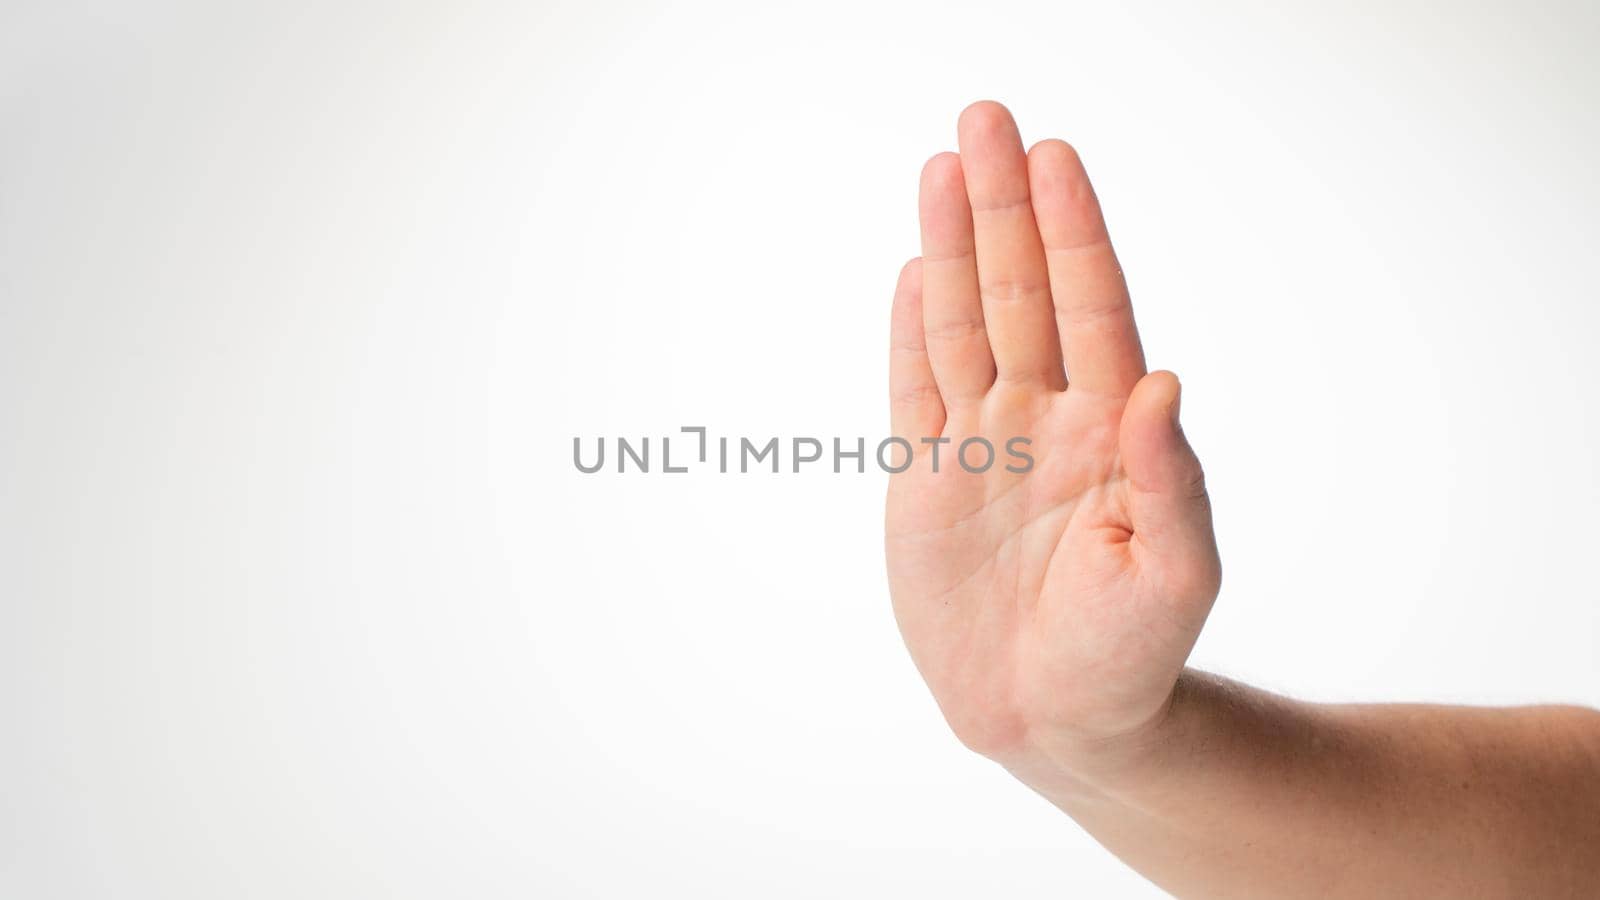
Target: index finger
[1093,314]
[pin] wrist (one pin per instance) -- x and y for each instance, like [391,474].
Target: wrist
[1067,765]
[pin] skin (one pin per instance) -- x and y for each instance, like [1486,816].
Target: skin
[1051,611]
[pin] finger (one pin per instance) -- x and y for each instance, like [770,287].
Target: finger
[1167,501]
[1012,277]
[1095,319]
[915,410]
[952,316]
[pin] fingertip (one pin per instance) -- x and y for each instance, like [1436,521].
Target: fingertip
[1054,165]
[943,211]
[985,117]
[1158,397]
[943,188]
[1057,174]
[1162,386]
[992,154]
[1053,149]
[942,169]
[910,279]
[1148,420]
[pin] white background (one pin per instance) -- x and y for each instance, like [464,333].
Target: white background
[302,306]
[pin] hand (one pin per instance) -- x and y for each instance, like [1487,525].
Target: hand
[1050,610]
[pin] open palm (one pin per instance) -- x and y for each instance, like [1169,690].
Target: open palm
[1054,605]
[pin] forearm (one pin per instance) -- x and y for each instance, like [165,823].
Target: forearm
[1237,792]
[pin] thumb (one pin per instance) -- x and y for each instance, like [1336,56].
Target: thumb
[1167,501]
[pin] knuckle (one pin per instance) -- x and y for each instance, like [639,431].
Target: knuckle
[954,329]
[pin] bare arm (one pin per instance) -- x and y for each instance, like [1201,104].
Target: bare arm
[1051,608]
[1240,793]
